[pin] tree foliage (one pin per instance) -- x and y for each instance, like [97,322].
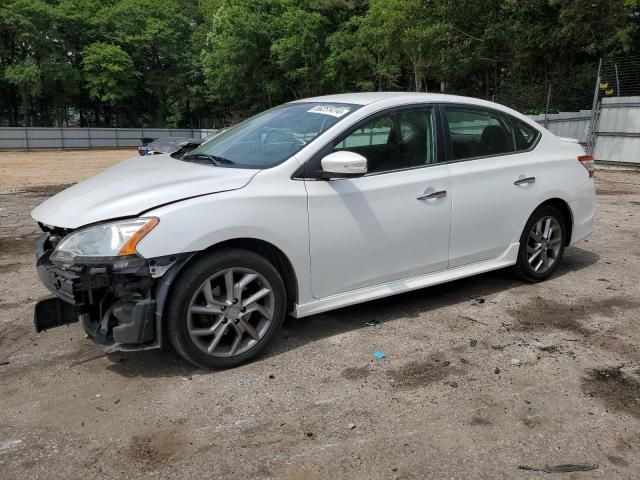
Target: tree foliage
[109,72]
[204,62]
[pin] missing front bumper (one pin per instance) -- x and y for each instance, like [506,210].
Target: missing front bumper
[119,309]
[115,308]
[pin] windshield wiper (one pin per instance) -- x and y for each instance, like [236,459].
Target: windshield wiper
[214,159]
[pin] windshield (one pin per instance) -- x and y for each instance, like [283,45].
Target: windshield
[271,137]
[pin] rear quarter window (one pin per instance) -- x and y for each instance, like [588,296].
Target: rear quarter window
[526,135]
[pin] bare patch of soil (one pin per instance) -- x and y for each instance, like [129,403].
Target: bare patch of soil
[12,247]
[158,448]
[356,373]
[617,460]
[54,170]
[544,313]
[618,389]
[8,306]
[480,421]
[48,190]
[422,373]
[15,253]
[612,191]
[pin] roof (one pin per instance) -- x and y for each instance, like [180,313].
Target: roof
[367,98]
[403,98]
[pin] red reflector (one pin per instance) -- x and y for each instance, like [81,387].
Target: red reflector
[589,163]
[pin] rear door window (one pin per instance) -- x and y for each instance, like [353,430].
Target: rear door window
[478,133]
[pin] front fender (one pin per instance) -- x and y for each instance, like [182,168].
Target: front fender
[263,212]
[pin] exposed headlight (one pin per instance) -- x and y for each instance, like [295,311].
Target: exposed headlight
[113,239]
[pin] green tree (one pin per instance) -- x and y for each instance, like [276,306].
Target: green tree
[26,77]
[25,25]
[299,51]
[156,35]
[236,60]
[109,72]
[173,62]
[352,62]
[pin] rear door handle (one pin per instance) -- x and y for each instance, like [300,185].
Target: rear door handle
[432,195]
[522,181]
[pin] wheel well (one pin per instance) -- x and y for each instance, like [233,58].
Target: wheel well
[567,216]
[271,253]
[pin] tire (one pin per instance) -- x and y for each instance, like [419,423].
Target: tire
[200,317]
[529,267]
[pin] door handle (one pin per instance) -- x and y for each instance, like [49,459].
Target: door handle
[522,181]
[432,195]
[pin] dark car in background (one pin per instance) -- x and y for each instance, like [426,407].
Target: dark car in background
[156,146]
[176,146]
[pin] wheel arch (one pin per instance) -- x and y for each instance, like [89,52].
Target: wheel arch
[261,247]
[267,250]
[567,215]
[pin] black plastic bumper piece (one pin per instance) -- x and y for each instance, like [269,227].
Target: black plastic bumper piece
[135,322]
[67,284]
[53,312]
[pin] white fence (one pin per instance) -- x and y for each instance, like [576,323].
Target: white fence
[568,124]
[35,138]
[617,129]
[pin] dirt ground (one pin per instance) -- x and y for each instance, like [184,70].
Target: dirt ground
[481,376]
[20,170]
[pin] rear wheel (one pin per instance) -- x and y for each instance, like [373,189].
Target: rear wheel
[541,244]
[225,308]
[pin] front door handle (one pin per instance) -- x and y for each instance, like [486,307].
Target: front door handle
[522,181]
[432,195]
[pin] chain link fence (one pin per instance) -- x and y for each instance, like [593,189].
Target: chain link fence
[571,107]
[611,77]
[567,95]
[619,77]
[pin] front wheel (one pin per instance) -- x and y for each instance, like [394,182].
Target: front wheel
[541,244]
[225,308]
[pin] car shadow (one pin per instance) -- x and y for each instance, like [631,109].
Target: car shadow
[298,332]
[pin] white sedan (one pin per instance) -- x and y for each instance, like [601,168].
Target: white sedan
[310,206]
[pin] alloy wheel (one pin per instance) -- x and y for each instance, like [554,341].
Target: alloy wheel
[544,244]
[230,312]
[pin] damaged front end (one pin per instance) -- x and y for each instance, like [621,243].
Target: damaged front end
[118,300]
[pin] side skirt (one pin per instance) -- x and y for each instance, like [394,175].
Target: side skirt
[399,286]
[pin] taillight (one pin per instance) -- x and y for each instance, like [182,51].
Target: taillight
[589,163]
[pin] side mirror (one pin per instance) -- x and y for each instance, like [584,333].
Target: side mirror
[343,164]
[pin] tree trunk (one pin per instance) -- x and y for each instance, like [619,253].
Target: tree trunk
[487,89]
[25,107]
[15,110]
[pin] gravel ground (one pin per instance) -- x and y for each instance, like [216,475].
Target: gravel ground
[481,376]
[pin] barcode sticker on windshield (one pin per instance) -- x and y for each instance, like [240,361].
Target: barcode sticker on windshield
[329,110]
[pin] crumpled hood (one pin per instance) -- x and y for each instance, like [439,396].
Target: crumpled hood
[134,186]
